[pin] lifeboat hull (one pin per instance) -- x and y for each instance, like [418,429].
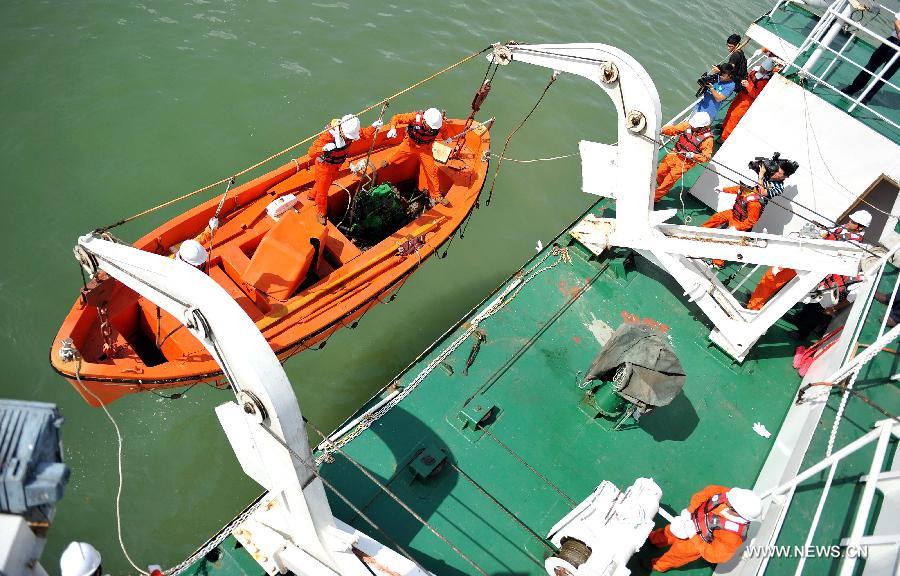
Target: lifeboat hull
[298,280]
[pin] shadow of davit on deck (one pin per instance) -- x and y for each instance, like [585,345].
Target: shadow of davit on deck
[417,467]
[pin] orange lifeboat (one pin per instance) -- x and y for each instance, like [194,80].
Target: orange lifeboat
[297,279]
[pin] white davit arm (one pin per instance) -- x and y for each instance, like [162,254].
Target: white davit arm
[266,417]
[638,114]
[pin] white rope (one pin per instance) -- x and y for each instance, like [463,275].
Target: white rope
[508,159]
[868,354]
[119,490]
[840,412]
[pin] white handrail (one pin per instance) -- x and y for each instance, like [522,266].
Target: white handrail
[865,505]
[868,438]
[822,34]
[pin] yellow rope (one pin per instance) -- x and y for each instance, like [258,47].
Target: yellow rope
[294,146]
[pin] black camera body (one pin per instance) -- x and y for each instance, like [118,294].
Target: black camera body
[705,80]
[772,165]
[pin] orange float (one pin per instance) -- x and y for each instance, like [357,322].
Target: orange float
[297,279]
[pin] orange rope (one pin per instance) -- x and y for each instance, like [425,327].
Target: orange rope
[294,146]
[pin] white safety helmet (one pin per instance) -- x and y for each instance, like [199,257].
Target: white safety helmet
[79,559]
[767,64]
[192,252]
[700,120]
[745,502]
[434,118]
[861,217]
[350,126]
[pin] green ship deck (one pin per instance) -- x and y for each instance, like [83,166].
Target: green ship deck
[503,486]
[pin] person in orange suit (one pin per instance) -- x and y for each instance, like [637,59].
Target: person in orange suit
[328,153]
[712,527]
[756,80]
[422,129]
[743,215]
[775,278]
[694,144]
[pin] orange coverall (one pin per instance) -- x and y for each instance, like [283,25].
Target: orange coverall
[673,166]
[770,283]
[324,172]
[730,219]
[722,548]
[428,172]
[741,103]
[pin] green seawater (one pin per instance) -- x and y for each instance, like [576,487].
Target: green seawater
[111,107]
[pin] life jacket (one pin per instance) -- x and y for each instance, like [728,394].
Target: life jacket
[420,132]
[690,141]
[742,203]
[841,233]
[341,145]
[836,283]
[707,520]
[754,80]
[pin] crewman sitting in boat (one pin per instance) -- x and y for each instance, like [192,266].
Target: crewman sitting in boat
[756,80]
[713,527]
[192,252]
[328,153]
[694,144]
[775,278]
[422,129]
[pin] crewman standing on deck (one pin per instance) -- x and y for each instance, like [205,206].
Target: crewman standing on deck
[328,153]
[750,202]
[743,215]
[712,527]
[694,144]
[775,278]
[422,129]
[756,80]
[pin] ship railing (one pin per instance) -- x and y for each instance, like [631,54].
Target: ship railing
[820,39]
[850,367]
[881,435]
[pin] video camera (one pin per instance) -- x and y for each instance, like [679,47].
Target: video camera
[705,80]
[773,164]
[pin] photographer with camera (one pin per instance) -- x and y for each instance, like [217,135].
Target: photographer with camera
[715,88]
[750,202]
[775,278]
[694,144]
